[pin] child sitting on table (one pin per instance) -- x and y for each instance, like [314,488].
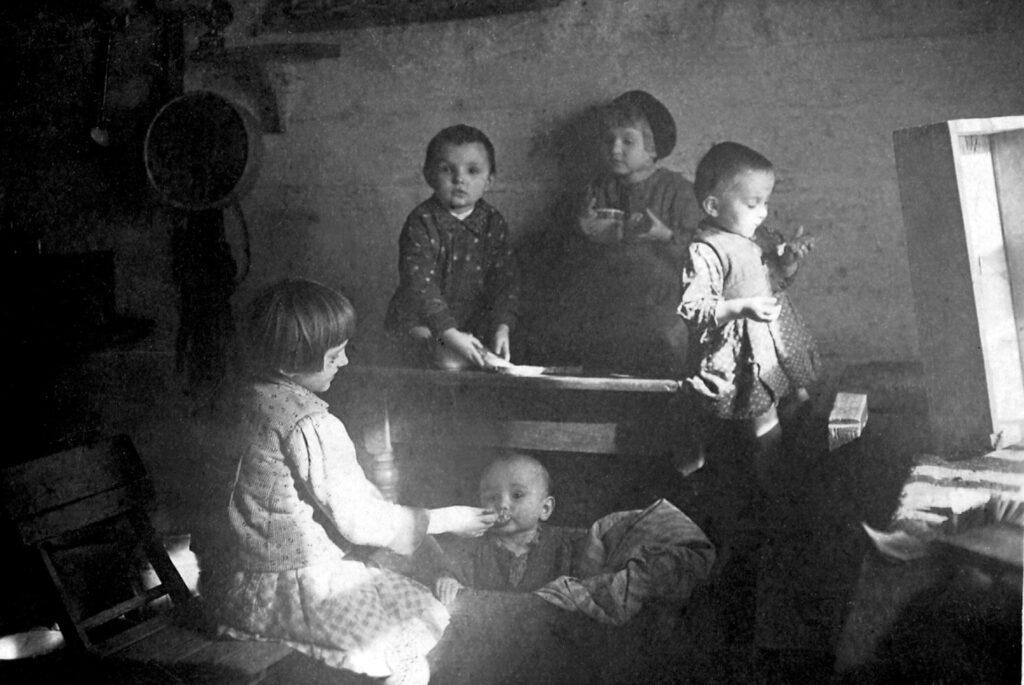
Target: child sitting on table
[458,281]
[519,553]
[624,269]
[286,557]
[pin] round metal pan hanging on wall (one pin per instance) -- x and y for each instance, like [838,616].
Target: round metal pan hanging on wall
[202,151]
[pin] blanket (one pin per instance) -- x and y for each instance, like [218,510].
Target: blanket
[632,558]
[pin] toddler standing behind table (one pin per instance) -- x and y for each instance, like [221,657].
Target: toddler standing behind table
[285,562]
[519,553]
[625,271]
[458,281]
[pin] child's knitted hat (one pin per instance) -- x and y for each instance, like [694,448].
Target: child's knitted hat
[663,126]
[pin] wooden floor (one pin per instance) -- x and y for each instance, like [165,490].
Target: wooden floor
[807,572]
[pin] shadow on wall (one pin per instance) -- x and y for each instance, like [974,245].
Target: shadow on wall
[542,252]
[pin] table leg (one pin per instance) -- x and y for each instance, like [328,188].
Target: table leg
[377,439]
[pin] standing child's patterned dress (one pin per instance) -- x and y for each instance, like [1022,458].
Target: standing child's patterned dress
[794,342]
[288,566]
[768,359]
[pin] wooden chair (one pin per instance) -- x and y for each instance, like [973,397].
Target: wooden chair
[87,505]
[90,502]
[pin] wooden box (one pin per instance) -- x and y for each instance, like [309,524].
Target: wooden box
[961,187]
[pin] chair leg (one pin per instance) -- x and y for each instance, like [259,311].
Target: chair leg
[157,555]
[74,635]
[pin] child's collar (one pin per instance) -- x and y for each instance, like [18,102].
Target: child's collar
[461,216]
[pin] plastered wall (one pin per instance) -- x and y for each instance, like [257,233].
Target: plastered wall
[819,87]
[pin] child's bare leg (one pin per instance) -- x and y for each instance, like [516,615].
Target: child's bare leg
[767,432]
[795,404]
[765,423]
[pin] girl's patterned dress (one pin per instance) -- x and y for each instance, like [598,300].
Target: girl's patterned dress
[768,359]
[287,565]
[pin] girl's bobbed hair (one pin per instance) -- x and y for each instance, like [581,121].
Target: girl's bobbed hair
[290,325]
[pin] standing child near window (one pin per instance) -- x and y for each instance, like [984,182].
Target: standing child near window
[458,282]
[288,558]
[626,267]
[745,328]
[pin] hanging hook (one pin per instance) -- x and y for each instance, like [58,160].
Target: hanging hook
[100,133]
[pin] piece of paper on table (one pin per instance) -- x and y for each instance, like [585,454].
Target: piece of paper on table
[527,370]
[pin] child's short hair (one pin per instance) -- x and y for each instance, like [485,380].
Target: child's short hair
[722,163]
[459,134]
[291,324]
[512,457]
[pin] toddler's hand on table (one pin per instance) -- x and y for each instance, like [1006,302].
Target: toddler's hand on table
[463,345]
[446,590]
[500,342]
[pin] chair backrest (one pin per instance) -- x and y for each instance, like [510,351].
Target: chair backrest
[82,503]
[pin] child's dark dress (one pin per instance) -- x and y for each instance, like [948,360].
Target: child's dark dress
[618,301]
[483,564]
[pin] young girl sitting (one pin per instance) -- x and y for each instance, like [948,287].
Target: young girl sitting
[624,268]
[458,281]
[287,564]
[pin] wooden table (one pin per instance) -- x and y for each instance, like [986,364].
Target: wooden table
[597,415]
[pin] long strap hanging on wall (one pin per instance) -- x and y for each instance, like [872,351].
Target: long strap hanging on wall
[206,275]
[201,156]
